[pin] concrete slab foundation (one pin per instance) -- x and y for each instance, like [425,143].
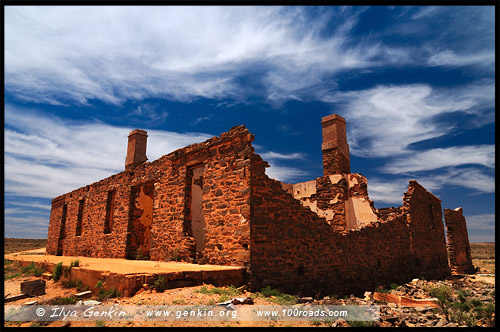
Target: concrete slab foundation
[128,276]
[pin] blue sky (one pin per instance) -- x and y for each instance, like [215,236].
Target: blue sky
[415,84]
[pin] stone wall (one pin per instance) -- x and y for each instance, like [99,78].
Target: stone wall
[161,188]
[342,199]
[296,250]
[458,241]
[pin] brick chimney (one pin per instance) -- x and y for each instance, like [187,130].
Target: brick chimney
[335,149]
[136,150]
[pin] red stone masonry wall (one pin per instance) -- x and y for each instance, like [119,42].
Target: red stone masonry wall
[252,220]
[226,197]
[295,250]
[427,242]
[458,241]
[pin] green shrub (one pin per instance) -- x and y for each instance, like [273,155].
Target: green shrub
[107,294]
[224,298]
[463,306]
[65,300]
[7,262]
[230,291]
[476,302]
[38,272]
[57,272]
[98,284]
[100,323]
[29,268]
[279,297]
[361,323]
[38,324]
[462,294]
[11,276]
[160,284]
[442,293]
[74,263]
[80,287]
[393,286]
[463,318]
[139,255]
[69,283]
[489,309]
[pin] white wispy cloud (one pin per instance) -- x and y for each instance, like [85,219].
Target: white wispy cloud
[450,58]
[443,157]
[481,222]
[383,121]
[275,155]
[387,191]
[47,156]
[390,191]
[283,173]
[471,178]
[43,153]
[67,54]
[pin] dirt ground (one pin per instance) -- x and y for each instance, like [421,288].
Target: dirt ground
[483,256]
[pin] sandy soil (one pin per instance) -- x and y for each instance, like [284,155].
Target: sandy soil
[122,266]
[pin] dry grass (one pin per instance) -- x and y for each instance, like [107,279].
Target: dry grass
[16,245]
[483,255]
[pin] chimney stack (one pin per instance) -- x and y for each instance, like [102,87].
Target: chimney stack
[136,150]
[336,159]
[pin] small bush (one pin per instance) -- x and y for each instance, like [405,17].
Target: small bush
[80,287]
[463,294]
[74,263]
[11,276]
[489,309]
[279,297]
[107,294]
[442,293]
[38,324]
[463,318]
[230,291]
[38,272]
[462,306]
[393,286]
[224,298]
[476,302]
[7,262]
[160,284]
[139,255]
[100,323]
[98,284]
[57,272]
[29,268]
[361,323]
[179,301]
[69,283]
[65,300]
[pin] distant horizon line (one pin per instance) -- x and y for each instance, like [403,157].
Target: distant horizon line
[20,238]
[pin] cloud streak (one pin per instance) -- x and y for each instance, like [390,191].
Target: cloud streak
[386,120]
[443,157]
[61,55]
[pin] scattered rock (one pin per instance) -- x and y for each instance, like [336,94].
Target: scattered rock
[305,299]
[442,321]
[83,295]
[390,319]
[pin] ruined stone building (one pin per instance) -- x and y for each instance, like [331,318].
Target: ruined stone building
[212,202]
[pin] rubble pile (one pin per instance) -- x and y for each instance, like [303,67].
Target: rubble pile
[462,301]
